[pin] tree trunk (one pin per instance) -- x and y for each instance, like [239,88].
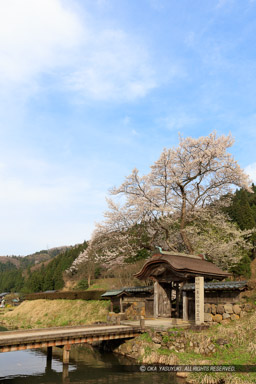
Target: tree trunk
[183,223]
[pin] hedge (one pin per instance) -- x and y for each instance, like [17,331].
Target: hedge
[73,295]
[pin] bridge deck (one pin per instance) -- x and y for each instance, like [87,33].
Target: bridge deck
[64,336]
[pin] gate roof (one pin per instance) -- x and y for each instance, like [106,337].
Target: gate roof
[181,266]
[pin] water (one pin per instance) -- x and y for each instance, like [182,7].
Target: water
[87,365]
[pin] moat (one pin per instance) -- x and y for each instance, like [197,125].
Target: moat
[87,365]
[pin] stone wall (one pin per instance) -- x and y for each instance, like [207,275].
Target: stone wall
[223,313]
[134,309]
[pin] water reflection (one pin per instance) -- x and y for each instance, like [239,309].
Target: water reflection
[87,365]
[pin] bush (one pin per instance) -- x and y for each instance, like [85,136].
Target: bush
[74,295]
[243,268]
[82,284]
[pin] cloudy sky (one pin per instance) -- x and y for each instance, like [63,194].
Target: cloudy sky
[90,89]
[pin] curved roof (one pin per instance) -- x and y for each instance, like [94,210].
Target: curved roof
[180,265]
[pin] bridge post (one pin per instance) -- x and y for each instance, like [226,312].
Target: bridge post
[49,360]
[66,350]
[65,378]
[49,353]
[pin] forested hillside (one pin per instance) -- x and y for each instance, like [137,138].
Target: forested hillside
[44,277]
[243,208]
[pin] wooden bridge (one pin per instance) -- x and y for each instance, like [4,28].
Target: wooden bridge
[64,337]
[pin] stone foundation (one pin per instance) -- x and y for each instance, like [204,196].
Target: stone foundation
[219,313]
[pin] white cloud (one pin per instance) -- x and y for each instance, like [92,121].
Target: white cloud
[35,37]
[222,3]
[41,204]
[179,121]
[126,120]
[157,5]
[113,66]
[49,37]
[34,182]
[251,171]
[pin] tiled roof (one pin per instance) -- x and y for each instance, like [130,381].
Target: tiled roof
[128,290]
[112,293]
[4,294]
[223,285]
[181,265]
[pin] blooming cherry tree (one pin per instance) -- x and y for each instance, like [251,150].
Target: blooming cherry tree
[191,176]
[176,206]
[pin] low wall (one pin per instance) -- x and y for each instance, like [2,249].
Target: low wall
[219,313]
[73,295]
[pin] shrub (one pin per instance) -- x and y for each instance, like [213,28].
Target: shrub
[73,295]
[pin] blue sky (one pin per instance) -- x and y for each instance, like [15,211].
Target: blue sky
[90,89]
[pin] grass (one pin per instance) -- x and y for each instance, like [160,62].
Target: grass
[239,349]
[145,337]
[54,313]
[106,284]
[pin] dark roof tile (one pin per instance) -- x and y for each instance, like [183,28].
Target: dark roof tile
[182,265]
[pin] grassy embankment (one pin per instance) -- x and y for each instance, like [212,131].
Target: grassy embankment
[239,348]
[54,313]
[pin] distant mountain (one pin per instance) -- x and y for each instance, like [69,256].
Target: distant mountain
[39,271]
[23,262]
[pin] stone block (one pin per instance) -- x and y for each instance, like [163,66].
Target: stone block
[226,316]
[220,309]
[207,308]
[226,321]
[208,317]
[234,317]
[157,340]
[236,309]
[217,318]
[214,309]
[248,307]
[228,308]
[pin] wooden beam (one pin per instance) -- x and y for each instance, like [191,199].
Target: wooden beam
[185,306]
[156,292]
[121,304]
[177,300]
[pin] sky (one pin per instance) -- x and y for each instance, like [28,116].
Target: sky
[90,89]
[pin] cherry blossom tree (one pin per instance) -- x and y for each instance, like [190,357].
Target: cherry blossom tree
[192,176]
[176,206]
